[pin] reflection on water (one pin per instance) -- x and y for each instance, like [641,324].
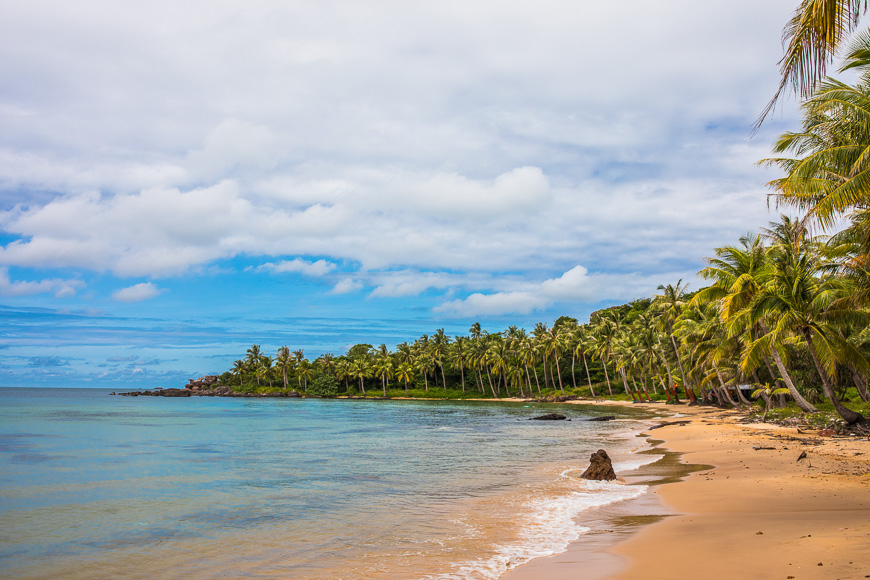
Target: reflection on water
[94,486]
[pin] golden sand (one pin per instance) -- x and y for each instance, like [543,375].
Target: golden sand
[757,513]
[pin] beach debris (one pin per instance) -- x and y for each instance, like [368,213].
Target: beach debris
[549,417]
[602,418]
[759,533]
[669,424]
[762,448]
[600,467]
[826,433]
[803,455]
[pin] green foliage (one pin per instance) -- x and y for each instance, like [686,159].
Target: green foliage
[323,385]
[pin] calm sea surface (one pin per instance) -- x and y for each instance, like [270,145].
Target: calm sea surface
[98,486]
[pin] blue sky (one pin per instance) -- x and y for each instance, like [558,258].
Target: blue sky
[179,180]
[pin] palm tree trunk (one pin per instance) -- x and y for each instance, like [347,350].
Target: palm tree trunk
[805,405]
[625,383]
[682,373]
[847,414]
[724,388]
[537,384]
[573,376]
[558,372]
[610,390]
[462,374]
[588,378]
[489,378]
[443,378]
[546,363]
[860,383]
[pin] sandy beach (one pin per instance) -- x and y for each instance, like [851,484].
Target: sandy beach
[754,512]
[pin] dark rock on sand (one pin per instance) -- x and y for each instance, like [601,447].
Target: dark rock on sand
[549,417]
[600,467]
[603,418]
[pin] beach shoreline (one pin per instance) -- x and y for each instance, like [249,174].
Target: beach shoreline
[751,509]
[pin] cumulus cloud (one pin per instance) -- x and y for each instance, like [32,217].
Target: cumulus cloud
[137,292]
[576,285]
[346,285]
[472,151]
[59,287]
[315,269]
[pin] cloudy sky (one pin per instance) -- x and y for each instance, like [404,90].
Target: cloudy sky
[181,179]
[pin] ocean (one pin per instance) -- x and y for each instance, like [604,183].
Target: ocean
[95,486]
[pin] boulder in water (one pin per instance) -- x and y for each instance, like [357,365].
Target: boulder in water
[600,467]
[550,417]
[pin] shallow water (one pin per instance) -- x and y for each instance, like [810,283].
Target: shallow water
[95,486]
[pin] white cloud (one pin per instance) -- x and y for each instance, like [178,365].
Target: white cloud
[573,287]
[60,287]
[346,285]
[452,142]
[137,292]
[315,269]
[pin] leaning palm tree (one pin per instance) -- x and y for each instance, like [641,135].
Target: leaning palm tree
[797,300]
[811,38]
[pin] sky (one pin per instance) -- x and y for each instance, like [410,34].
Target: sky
[182,179]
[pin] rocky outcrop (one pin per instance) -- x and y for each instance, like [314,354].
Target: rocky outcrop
[603,418]
[549,417]
[206,382]
[600,467]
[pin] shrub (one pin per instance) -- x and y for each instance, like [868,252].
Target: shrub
[323,385]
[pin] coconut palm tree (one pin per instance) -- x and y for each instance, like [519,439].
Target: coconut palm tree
[239,367]
[360,369]
[811,38]
[796,299]
[440,344]
[405,373]
[459,355]
[284,363]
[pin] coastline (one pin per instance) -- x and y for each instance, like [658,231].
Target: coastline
[813,514]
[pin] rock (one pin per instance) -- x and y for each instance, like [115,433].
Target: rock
[294,393]
[600,467]
[603,418]
[549,417]
[173,393]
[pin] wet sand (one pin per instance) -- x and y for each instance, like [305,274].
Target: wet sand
[813,515]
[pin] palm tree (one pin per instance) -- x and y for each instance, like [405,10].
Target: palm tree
[264,369]
[796,300]
[670,303]
[239,369]
[811,38]
[738,274]
[405,373]
[459,357]
[440,343]
[383,365]
[582,346]
[252,357]
[359,369]
[284,363]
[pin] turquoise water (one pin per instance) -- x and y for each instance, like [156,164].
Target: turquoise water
[99,486]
